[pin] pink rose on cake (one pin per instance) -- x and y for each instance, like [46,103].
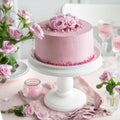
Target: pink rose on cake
[58,22]
[63,23]
[72,21]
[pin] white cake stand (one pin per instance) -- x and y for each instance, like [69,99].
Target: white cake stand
[65,97]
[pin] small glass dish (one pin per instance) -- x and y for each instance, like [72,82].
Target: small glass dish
[32,88]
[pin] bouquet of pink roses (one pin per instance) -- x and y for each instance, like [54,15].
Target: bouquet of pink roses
[10,34]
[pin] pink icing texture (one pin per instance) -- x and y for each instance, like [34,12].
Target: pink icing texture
[66,48]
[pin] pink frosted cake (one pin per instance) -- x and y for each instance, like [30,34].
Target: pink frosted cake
[67,41]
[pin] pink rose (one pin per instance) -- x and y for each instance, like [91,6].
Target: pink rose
[71,21]
[42,115]
[9,20]
[28,110]
[8,4]
[58,22]
[105,76]
[26,15]
[118,89]
[7,47]
[37,31]
[5,70]
[15,33]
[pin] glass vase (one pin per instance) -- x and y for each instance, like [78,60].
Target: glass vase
[111,102]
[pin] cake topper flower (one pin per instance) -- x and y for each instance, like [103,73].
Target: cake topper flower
[11,34]
[64,23]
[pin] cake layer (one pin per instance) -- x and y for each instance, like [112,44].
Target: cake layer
[65,48]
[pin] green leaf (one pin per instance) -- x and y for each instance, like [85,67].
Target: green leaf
[11,111]
[112,81]
[11,60]
[18,113]
[17,110]
[1,56]
[21,107]
[118,83]
[99,85]
[110,88]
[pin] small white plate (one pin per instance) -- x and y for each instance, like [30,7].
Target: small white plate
[21,70]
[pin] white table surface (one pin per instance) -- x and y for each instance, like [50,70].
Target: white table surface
[11,87]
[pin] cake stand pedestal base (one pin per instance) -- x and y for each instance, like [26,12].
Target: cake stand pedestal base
[65,97]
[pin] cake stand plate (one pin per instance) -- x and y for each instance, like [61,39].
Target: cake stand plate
[66,71]
[64,97]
